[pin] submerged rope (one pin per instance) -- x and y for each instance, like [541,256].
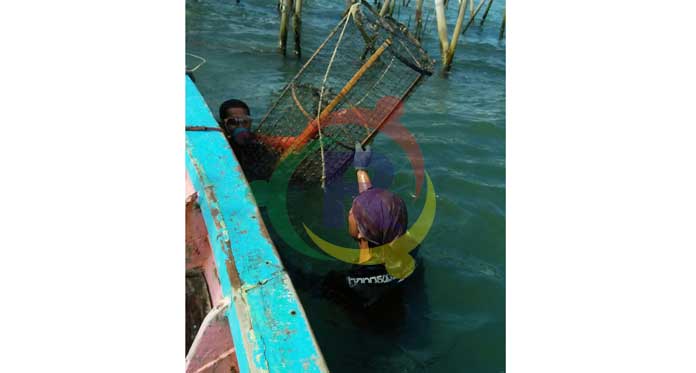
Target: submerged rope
[203,60]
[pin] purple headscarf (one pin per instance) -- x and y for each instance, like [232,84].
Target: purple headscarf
[381,216]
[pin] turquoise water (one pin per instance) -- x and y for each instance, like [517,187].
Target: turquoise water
[451,317]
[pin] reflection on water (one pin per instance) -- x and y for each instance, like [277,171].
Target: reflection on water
[450,315]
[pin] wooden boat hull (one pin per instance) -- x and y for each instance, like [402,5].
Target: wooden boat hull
[249,289]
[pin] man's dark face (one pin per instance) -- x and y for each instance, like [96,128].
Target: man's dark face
[237,117]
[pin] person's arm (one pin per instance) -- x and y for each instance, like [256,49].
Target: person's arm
[363,181]
[360,161]
[278,142]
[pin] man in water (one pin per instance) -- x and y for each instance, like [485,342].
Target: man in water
[236,121]
[256,153]
[377,217]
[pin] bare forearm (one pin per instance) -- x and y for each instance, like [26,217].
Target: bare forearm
[363,181]
[361,159]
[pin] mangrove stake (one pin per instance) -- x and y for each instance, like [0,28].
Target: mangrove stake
[502,27]
[485,14]
[297,26]
[284,15]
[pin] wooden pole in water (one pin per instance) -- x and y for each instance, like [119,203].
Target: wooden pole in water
[502,27]
[419,19]
[471,20]
[284,15]
[485,14]
[447,60]
[426,22]
[313,127]
[297,26]
[385,8]
[471,9]
[441,27]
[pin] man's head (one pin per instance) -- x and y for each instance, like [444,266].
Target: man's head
[380,217]
[377,215]
[235,113]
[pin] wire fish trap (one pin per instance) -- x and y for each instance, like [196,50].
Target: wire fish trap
[348,89]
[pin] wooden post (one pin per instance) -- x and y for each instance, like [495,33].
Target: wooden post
[285,6]
[385,8]
[441,27]
[502,27]
[471,20]
[419,19]
[471,9]
[297,26]
[426,22]
[447,59]
[485,14]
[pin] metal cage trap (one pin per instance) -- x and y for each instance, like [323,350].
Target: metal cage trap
[345,93]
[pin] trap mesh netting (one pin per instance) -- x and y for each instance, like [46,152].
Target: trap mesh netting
[344,94]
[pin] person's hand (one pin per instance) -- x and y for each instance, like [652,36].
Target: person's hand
[362,157]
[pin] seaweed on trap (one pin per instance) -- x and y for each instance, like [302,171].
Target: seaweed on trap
[346,91]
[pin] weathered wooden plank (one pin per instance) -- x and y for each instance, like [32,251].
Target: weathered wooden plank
[267,322]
